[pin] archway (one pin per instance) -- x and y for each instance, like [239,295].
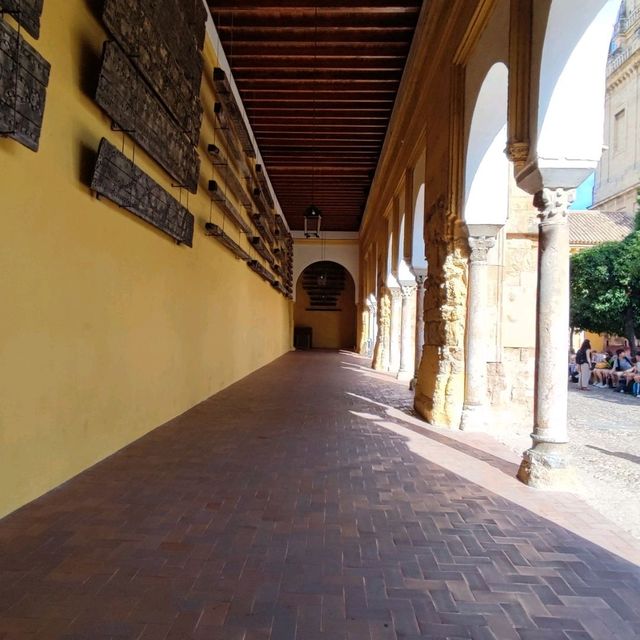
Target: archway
[485,213]
[325,306]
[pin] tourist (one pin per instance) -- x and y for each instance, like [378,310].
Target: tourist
[602,373]
[621,363]
[583,360]
[627,378]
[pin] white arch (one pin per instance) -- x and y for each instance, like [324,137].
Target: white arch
[350,264]
[572,86]
[487,167]
[418,250]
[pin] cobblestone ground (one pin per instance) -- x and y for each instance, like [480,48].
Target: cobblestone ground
[604,432]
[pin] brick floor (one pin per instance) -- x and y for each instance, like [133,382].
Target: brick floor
[306,502]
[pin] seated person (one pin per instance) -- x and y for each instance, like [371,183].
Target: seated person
[627,378]
[621,363]
[635,389]
[602,373]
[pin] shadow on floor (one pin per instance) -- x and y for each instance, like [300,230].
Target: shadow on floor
[616,454]
[505,466]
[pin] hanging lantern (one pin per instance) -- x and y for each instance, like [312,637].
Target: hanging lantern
[312,220]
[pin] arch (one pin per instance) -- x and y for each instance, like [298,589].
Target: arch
[486,199]
[346,259]
[326,303]
[570,110]
[418,249]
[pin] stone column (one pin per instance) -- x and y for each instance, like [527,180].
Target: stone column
[474,410]
[407,336]
[546,463]
[364,329]
[382,343]
[395,328]
[373,327]
[419,326]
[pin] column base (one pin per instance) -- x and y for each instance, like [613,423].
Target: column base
[405,376]
[475,417]
[546,466]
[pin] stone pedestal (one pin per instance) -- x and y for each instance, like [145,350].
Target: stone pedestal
[475,411]
[546,464]
[407,335]
[396,328]
[419,339]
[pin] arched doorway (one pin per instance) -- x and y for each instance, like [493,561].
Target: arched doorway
[325,304]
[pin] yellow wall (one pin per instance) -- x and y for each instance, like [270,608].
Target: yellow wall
[107,328]
[331,329]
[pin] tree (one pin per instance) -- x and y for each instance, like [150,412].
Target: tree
[605,288]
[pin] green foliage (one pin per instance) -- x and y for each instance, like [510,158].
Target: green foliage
[605,287]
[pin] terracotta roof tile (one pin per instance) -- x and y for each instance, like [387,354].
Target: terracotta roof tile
[595,227]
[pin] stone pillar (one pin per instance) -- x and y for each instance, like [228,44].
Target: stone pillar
[546,463]
[382,344]
[407,336]
[419,326]
[474,411]
[373,327]
[396,328]
[364,329]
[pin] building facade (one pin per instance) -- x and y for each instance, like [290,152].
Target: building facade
[618,174]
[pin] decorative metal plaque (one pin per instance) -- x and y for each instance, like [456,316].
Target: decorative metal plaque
[147,33]
[128,100]
[216,232]
[26,13]
[261,271]
[118,179]
[218,196]
[261,248]
[225,95]
[24,76]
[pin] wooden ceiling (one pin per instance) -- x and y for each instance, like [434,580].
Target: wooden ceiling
[318,79]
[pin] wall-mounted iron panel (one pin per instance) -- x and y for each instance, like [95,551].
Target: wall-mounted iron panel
[218,196]
[127,99]
[118,179]
[26,13]
[216,232]
[145,33]
[225,95]
[24,76]
[254,265]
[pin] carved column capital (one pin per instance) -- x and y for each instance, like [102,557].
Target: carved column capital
[480,246]
[407,291]
[518,152]
[395,292]
[553,204]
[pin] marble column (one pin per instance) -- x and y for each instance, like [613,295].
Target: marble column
[420,279]
[546,463]
[474,410]
[407,335]
[395,328]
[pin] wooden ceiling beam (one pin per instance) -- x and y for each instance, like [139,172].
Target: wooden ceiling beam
[264,33]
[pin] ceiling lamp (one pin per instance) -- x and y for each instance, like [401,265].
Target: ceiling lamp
[312,220]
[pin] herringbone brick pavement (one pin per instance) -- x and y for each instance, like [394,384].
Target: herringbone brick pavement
[280,508]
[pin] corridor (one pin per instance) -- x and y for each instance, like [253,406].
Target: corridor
[293,504]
